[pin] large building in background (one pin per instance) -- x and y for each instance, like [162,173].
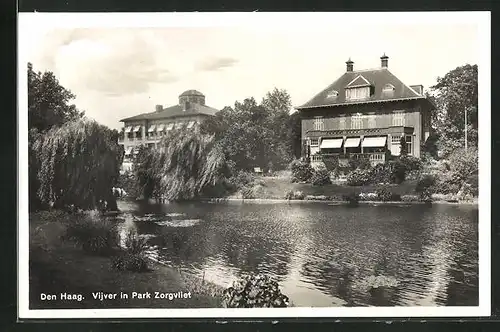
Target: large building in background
[364,114]
[148,128]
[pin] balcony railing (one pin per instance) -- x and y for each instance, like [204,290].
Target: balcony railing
[374,158]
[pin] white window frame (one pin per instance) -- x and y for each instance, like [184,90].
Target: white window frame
[311,140]
[342,122]
[396,140]
[398,118]
[357,121]
[357,93]
[388,88]
[409,144]
[319,123]
[372,120]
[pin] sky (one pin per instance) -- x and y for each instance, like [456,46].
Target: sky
[120,71]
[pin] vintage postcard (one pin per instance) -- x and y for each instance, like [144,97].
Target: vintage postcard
[266,165]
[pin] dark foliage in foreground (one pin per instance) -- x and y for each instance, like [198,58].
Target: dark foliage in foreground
[255,292]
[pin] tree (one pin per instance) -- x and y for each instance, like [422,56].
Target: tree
[182,167]
[76,164]
[48,101]
[454,94]
[404,147]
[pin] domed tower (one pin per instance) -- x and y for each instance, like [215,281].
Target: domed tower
[191,97]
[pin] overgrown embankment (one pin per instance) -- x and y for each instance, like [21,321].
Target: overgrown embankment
[58,264]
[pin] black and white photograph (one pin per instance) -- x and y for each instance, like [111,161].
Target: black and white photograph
[254,165]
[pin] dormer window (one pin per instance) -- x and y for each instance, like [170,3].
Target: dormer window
[388,88]
[332,94]
[357,93]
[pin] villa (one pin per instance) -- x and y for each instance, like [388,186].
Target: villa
[148,128]
[364,114]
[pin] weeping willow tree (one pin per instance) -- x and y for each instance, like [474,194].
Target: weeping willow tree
[182,167]
[76,164]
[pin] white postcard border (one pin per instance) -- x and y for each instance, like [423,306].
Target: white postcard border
[30,21]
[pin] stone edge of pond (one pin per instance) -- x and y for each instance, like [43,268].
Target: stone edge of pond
[336,202]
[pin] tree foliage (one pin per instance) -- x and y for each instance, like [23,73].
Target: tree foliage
[75,164]
[454,94]
[182,167]
[261,135]
[48,101]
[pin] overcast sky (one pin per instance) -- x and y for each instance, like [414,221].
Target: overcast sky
[120,72]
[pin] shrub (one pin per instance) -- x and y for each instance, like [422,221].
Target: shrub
[425,184]
[462,168]
[320,177]
[127,261]
[135,244]
[242,179]
[411,163]
[410,198]
[248,193]
[358,177]
[301,171]
[254,292]
[368,196]
[352,199]
[398,171]
[354,164]
[381,173]
[384,194]
[93,234]
[294,195]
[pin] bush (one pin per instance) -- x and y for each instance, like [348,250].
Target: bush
[425,186]
[381,173]
[354,164]
[127,261]
[320,177]
[254,292]
[462,168]
[93,234]
[411,163]
[358,177]
[398,171]
[294,195]
[301,171]
[135,244]
[384,194]
[352,199]
[410,198]
[242,179]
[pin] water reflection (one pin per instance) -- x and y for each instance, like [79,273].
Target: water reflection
[327,255]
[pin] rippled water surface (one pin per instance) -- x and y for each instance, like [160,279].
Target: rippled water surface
[325,255]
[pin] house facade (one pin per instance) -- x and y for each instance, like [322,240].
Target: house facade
[364,114]
[148,128]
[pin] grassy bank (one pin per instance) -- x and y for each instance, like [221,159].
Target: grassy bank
[58,265]
[277,187]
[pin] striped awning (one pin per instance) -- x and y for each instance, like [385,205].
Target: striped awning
[190,124]
[170,126]
[374,142]
[331,143]
[160,127]
[352,142]
[137,128]
[128,129]
[151,128]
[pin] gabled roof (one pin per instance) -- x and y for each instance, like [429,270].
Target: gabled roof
[174,111]
[358,82]
[377,78]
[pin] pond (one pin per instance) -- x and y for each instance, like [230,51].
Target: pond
[324,255]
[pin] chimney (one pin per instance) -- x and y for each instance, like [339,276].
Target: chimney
[350,65]
[159,108]
[384,59]
[418,89]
